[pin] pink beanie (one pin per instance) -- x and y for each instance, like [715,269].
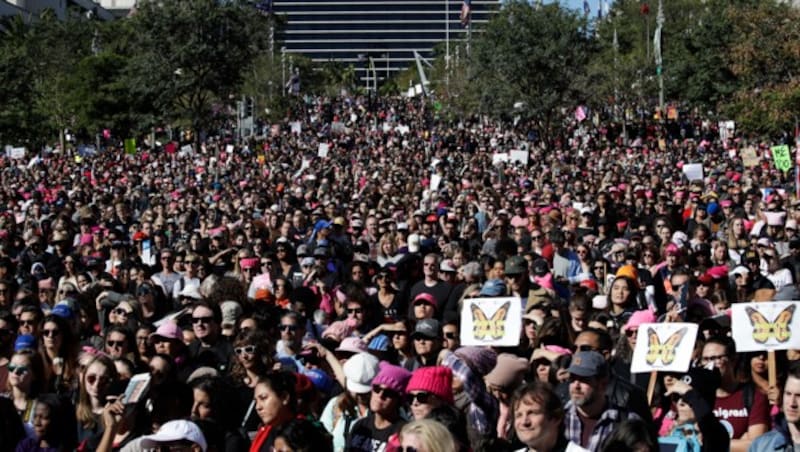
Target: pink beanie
[392,377]
[638,318]
[437,380]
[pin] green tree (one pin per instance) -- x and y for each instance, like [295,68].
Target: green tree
[531,56]
[191,58]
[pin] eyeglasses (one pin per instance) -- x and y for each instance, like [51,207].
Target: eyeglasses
[419,397]
[249,349]
[630,332]
[536,237]
[207,319]
[115,344]
[99,379]
[384,392]
[192,262]
[27,322]
[51,333]
[355,311]
[120,311]
[17,370]
[288,327]
[715,359]
[450,335]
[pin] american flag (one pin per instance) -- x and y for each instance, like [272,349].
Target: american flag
[466,10]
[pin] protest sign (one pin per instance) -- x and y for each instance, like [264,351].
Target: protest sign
[17,153]
[130,145]
[296,127]
[693,171]
[501,157]
[435,181]
[322,150]
[664,347]
[749,157]
[769,325]
[782,157]
[519,156]
[491,321]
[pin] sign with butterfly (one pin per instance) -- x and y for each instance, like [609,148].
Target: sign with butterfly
[771,325]
[664,347]
[491,321]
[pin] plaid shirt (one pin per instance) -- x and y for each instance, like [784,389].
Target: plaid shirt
[602,429]
[483,410]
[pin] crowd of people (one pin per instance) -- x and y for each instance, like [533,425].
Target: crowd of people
[303,291]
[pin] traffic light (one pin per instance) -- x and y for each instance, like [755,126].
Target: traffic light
[249,107]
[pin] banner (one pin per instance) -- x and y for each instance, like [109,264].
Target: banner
[782,157]
[767,325]
[664,347]
[17,153]
[491,321]
[130,145]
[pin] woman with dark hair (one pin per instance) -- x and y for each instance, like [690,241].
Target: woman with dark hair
[253,360]
[212,398]
[53,426]
[631,435]
[59,349]
[622,300]
[26,380]
[301,435]
[276,405]
[286,260]
[386,298]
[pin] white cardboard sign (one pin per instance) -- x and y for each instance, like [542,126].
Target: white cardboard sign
[771,325]
[664,347]
[491,321]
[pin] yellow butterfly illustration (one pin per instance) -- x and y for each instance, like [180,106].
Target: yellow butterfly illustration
[666,351]
[484,328]
[763,329]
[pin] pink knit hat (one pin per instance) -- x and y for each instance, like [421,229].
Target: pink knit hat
[638,318]
[437,380]
[392,377]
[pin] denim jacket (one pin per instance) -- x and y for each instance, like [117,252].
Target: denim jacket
[776,439]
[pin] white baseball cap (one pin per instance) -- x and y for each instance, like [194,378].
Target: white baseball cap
[176,431]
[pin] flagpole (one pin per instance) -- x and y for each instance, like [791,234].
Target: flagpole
[660,24]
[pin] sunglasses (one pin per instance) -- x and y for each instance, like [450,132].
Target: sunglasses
[51,333]
[249,349]
[197,320]
[631,332]
[384,392]
[450,335]
[92,379]
[288,327]
[420,397]
[27,322]
[114,344]
[355,311]
[120,311]
[421,303]
[17,370]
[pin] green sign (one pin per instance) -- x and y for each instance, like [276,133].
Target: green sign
[782,157]
[130,145]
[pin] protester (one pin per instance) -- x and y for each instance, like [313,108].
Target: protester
[285,277]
